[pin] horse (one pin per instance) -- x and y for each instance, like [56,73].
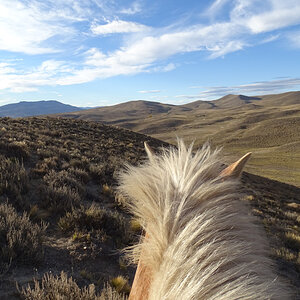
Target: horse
[200,241]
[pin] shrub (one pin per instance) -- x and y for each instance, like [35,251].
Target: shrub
[15,149]
[107,190]
[82,163]
[97,170]
[20,239]
[81,174]
[93,219]
[13,177]
[62,191]
[292,240]
[59,199]
[64,178]
[120,284]
[64,288]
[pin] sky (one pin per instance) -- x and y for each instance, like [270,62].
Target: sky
[104,52]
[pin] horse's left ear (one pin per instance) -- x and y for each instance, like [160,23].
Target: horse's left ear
[235,170]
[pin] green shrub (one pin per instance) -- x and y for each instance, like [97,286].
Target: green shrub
[20,239]
[64,288]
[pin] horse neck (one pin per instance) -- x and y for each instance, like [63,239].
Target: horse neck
[141,283]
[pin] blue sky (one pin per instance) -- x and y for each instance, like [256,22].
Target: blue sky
[103,52]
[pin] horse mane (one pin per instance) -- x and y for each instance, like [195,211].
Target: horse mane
[201,242]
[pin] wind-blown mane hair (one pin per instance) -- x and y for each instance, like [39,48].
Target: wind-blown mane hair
[200,242]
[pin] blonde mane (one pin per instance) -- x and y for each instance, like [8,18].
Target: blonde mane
[201,242]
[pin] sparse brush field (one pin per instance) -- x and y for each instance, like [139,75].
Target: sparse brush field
[59,210]
[62,223]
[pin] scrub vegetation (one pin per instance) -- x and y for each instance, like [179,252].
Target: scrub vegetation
[63,224]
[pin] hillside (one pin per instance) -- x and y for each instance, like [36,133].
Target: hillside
[63,172]
[35,108]
[266,125]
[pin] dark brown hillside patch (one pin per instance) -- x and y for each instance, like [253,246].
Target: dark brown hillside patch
[64,169]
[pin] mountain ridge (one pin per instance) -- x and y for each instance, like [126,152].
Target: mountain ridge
[267,125]
[35,108]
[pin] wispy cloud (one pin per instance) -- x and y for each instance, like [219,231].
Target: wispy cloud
[117,26]
[256,88]
[149,92]
[37,27]
[294,38]
[215,8]
[281,14]
[23,28]
[135,8]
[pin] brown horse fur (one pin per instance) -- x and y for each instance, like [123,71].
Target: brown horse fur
[201,241]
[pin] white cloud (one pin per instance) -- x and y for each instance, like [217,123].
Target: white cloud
[132,10]
[257,88]
[278,18]
[150,92]
[271,38]
[266,16]
[147,49]
[117,26]
[187,96]
[26,26]
[19,81]
[231,46]
[215,8]
[169,67]
[294,38]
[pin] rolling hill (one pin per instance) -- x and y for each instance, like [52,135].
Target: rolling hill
[35,108]
[268,125]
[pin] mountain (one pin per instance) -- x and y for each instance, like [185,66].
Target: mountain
[121,114]
[268,125]
[35,108]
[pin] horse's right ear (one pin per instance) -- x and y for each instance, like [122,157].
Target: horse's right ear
[235,170]
[149,151]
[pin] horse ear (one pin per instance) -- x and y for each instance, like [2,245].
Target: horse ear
[148,150]
[235,170]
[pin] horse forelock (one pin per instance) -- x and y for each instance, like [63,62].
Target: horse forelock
[202,243]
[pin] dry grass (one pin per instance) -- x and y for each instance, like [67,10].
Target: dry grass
[54,170]
[20,239]
[120,284]
[14,180]
[98,222]
[63,287]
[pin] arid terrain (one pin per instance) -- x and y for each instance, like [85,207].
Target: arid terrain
[62,174]
[269,126]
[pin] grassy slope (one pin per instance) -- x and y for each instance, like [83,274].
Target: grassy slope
[53,147]
[269,126]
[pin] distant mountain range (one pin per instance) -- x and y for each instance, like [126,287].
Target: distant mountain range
[35,108]
[267,125]
[131,113]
